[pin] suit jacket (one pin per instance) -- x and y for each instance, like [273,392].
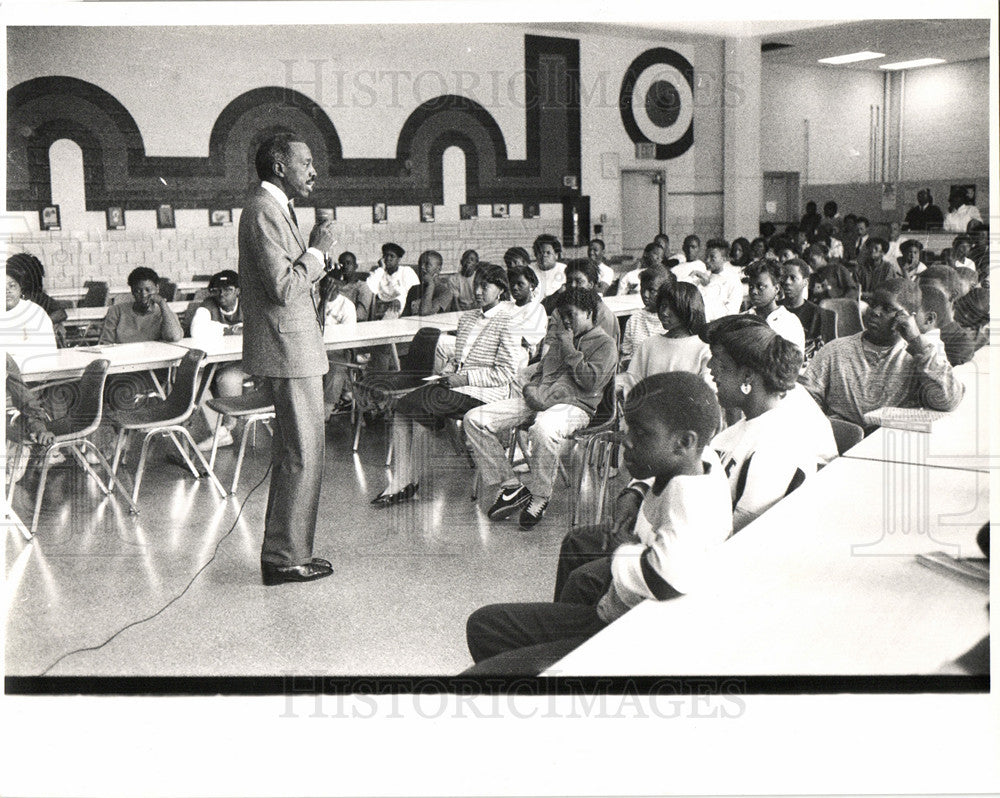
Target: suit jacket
[281,332]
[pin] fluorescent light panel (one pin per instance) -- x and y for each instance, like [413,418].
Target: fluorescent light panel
[850,58]
[919,62]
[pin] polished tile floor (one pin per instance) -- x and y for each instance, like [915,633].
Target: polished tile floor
[406,578]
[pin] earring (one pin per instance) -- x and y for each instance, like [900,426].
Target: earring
[746,387]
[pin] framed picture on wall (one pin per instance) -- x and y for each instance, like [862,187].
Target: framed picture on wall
[427,211]
[48,218]
[115,216]
[326,215]
[220,217]
[165,217]
[380,214]
[468,211]
[501,210]
[531,210]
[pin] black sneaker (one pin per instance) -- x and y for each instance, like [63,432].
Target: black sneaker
[508,500]
[533,513]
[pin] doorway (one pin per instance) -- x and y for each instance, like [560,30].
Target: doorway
[780,198]
[643,210]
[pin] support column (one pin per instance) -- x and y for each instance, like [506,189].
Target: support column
[742,178]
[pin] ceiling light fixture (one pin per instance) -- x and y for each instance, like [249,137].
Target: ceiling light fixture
[919,62]
[850,58]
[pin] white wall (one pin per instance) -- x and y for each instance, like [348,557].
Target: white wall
[946,121]
[836,102]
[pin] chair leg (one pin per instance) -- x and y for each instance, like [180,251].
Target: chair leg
[211,474]
[142,464]
[184,454]
[41,486]
[605,475]
[215,439]
[90,470]
[358,419]
[251,424]
[119,449]
[18,456]
[113,481]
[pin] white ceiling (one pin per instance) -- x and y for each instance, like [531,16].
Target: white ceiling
[810,40]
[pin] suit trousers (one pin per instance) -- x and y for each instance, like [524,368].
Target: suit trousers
[297,452]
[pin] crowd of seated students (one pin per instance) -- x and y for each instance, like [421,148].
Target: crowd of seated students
[538,347]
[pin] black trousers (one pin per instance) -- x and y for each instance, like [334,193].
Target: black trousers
[431,404]
[527,638]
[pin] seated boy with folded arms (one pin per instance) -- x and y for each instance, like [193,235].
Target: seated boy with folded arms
[671,419]
[891,364]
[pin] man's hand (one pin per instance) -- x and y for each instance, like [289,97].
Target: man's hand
[626,513]
[45,438]
[322,236]
[905,323]
[455,380]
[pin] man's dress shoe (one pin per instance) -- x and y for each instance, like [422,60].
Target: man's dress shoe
[307,572]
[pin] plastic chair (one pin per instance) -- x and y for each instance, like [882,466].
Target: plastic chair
[846,434]
[848,312]
[166,417]
[827,324]
[382,390]
[73,432]
[253,408]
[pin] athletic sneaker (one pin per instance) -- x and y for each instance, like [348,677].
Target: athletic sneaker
[508,500]
[225,439]
[533,513]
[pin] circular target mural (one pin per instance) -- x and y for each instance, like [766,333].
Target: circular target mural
[657,101]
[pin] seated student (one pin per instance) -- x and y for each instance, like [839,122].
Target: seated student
[794,282]
[764,281]
[25,328]
[910,258]
[946,277]
[739,252]
[681,312]
[684,517]
[836,282]
[780,437]
[32,288]
[579,274]
[758,249]
[894,244]
[936,323]
[147,317]
[972,312]
[337,309]
[551,273]
[481,370]
[528,319]
[560,398]
[605,274]
[961,211]
[652,258]
[354,286]
[390,283]
[960,247]
[218,315]
[646,321]
[874,268]
[29,426]
[780,249]
[518,256]
[721,284]
[692,259]
[664,241]
[889,364]
[464,283]
[434,293]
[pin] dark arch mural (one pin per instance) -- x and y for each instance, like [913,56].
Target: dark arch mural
[117,170]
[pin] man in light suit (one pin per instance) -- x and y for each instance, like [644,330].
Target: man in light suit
[283,345]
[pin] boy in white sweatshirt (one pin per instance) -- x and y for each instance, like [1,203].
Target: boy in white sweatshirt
[671,419]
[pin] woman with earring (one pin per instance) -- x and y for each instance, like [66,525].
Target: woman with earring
[480,370]
[783,435]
